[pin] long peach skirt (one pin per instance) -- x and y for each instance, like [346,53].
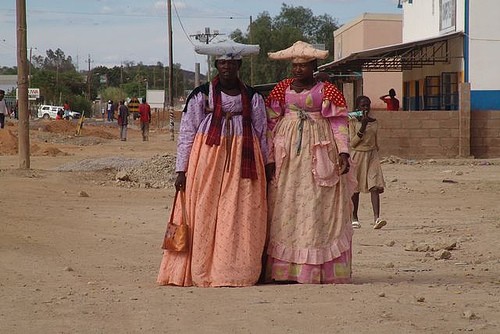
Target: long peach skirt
[227,219]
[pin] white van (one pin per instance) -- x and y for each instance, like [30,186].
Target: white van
[46,111]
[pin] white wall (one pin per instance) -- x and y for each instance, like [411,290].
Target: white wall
[422,19]
[484,50]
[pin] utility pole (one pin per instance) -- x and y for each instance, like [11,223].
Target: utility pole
[196,74]
[170,71]
[22,80]
[89,78]
[251,57]
[206,38]
[29,67]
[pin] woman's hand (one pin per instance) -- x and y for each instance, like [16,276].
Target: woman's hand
[364,119]
[344,163]
[180,181]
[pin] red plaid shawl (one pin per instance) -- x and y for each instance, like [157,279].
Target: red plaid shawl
[248,167]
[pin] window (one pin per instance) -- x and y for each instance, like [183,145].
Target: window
[417,95]
[406,95]
[432,91]
[449,91]
[441,92]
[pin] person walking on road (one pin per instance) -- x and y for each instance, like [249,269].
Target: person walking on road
[310,232]
[110,110]
[4,110]
[145,118]
[221,154]
[364,149]
[123,120]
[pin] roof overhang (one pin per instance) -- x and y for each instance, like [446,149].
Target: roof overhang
[397,57]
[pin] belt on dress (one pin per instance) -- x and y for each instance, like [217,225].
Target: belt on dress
[303,116]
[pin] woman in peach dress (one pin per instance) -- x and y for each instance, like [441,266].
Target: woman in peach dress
[221,154]
[310,197]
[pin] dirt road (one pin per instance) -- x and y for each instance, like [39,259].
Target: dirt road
[79,250]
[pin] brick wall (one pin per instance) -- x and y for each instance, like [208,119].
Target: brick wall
[418,134]
[435,134]
[485,134]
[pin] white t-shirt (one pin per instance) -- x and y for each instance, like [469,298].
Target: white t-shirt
[3,108]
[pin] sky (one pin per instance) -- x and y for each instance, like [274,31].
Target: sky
[110,32]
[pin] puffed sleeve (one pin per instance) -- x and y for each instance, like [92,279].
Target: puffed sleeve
[337,115]
[190,121]
[274,113]
[259,123]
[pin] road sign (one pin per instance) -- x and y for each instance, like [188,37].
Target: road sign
[33,94]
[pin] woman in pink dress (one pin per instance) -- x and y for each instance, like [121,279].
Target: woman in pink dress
[310,195]
[221,153]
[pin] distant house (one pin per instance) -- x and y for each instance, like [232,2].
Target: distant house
[366,32]
[448,62]
[444,43]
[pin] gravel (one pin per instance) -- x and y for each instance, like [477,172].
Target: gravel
[157,172]
[90,165]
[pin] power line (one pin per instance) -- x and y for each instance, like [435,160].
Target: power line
[182,26]
[206,38]
[45,12]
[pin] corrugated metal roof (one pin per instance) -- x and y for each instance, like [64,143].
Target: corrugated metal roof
[396,57]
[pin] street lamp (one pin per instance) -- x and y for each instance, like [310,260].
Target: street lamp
[29,68]
[89,77]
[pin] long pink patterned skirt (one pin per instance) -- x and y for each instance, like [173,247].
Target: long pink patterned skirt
[310,205]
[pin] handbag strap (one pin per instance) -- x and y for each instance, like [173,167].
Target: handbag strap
[183,205]
[173,207]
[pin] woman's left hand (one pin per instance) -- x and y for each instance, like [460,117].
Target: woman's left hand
[344,163]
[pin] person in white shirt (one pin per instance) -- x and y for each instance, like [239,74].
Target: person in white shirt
[4,110]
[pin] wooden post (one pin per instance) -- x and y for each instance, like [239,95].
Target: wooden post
[196,75]
[464,120]
[251,56]
[348,90]
[22,85]
[170,72]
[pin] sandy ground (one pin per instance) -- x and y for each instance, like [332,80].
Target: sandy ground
[71,263]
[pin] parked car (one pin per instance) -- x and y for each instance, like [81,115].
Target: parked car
[46,111]
[74,114]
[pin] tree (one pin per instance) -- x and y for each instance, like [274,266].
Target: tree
[56,76]
[54,60]
[280,32]
[81,104]
[58,80]
[114,94]
[4,70]
[56,87]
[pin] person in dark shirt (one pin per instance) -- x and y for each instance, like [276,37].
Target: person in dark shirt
[123,120]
